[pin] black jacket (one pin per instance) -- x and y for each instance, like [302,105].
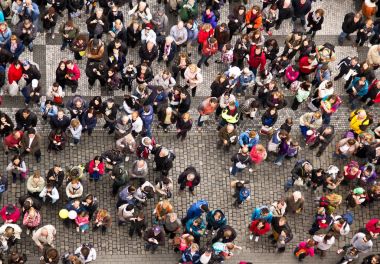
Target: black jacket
[30,121]
[173,50]
[218,89]
[91,26]
[147,56]
[62,124]
[164,163]
[182,125]
[349,26]
[219,235]
[32,73]
[189,170]
[301,10]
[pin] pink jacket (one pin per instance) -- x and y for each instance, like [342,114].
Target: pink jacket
[309,250]
[82,220]
[291,74]
[31,222]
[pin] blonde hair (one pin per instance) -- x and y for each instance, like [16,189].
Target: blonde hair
[75,123]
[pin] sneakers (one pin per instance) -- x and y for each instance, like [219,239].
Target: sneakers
[126,158]
[250,237]
[27,232]
[257,239]
[77,229]
[72,144]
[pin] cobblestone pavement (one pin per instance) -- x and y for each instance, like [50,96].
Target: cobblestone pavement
[198,150]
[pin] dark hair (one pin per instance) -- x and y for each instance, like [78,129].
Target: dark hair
[129,207]
[204,208]
[265,210]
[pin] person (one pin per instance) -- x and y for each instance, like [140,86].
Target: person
[183,125]
[60,121]
[44,236]
[258,228]
[86,252]
[227,136]
[72,75]
[50,255]
[310,121]
[351,23]
[12,142]
[69,32]
[315,20]
[189,178]
[325,134]
[225,234]
[75,129]
[49,192]
[102,219]
[362,242]
[17,168]
[35,184]
[31,220]
[163,159]
[25,119]
[154,237]
[345,148]
[74,189]
[281,233]
[6,125]
[196,227]
[193,78]
[119,178]
[295,203]
[82,220]
[323,243]
[166,116]
[205,109]
[195,210]
[304,249]
[138,225]
[57,140]
[10,234]
[357,90]
[17,258]
[96,168]
[240,160]
[10,213]
[191,254]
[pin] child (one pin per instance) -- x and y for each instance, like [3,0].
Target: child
[76,131]
[242,193]
[129,74]
[293,150]
[82,221]
[138,225]
[304,249]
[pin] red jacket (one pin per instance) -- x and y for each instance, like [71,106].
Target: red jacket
[14,74]
[259,232]
[209,49]
[74,73]
[256,60]
[10,141]
[377,98]
[203,35]
[91,167]
[11,217]
[304,62]
[371,226]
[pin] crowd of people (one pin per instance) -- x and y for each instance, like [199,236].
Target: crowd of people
[254,78]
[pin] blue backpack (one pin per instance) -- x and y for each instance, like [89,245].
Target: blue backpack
[244,194]
[348,217]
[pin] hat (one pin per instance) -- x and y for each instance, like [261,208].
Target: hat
[34,83]
[26,63]
[148,26]
[156,229]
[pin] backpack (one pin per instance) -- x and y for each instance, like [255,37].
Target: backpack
[244,194]
[329,46]
[348,217]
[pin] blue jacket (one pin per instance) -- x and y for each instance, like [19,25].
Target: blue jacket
[244,139]
[211,220]
[195,209]
[88,123]
[244,80]
[18,51]
[192,34]
[362,91]
[211,19]
[70,207]
[51,112]
[196,230]
[34,13]
[147,118]
[256,214]
[5,36]
[187,257]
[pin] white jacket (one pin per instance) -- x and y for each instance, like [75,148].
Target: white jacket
[91,255]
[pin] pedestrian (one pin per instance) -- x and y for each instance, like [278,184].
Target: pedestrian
[240,161]
[351,23]
[258,228]
[304,249]
[189,178]
[154,237]
[314,21]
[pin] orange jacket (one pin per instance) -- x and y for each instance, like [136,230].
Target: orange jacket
[257,22]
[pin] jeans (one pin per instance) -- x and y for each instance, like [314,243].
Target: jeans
[342,36]
[65,43]
[304,129]
[75,140]
[235,170]
[339,156]
[302,18]
[326,118]
[203,59]
[200,123]
[280,158]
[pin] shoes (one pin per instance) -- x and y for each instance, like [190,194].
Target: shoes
[192,193]
[278,163]
[257,239]
[27,232]
[72,144]
[250,237]
[53,36]
[277,26]
[207,64]
[126,158]
[77,229]
[38,159]
[319,153]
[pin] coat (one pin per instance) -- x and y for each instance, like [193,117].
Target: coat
[259,232]
[92,26]
[301,10]
[150,234]
[35,146]
[211,220]
[219,237]
[348,25]
[194,210]
[255,61]
[182,178]
[30,121]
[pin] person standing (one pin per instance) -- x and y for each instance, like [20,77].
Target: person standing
[240,161]
[351,23]
[31,144]
[301,8]
[189,178]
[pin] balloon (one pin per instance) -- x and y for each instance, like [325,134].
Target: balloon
[72,214]
[63,214]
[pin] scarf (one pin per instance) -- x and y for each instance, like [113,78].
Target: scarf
[315,17]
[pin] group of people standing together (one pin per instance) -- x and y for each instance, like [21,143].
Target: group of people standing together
[253,83]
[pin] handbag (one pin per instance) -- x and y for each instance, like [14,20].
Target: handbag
[266,130]
[299,182]
[272,147]
[311,105]
[15,19]
[58,100]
